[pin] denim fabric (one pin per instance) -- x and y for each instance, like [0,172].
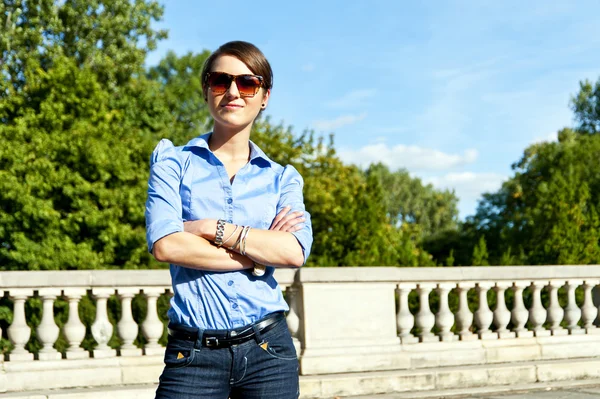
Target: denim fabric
[190,183]
[244,371]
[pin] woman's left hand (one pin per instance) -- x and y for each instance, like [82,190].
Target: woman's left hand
[287,222]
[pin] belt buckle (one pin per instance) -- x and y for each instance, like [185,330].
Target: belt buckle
[211,342]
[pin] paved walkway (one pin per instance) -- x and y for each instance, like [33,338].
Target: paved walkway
[554,391]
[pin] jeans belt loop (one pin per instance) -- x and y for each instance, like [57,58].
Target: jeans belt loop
[257,335]
[198,343]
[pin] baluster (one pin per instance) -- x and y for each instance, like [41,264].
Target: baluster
[555,312]
[74,329]
[589,311]
[102,329]
[537,313]
[127,328]
[519,312]
[596,302]
[19,332]
[292,319]
[572,311]
[444,319]
[501,313]
[425,320]
[464,317]
[484,316]
[152,327]
[48,331]
[405,320]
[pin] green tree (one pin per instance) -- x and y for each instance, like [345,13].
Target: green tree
[480,253]
[450,259]
[547,212]
[350,222]
[586,106]
[181,89]
[79,120]
[549,209]
[408,200]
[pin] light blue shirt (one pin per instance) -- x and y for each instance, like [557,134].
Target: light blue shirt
[190,183]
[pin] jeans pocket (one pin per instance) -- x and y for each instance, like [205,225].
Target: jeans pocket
[279,343]
[282,352]
[178,355]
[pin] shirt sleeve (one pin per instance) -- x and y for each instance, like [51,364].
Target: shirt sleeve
[163,206]
[291,195]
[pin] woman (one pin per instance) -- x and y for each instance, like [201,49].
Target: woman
[218,209]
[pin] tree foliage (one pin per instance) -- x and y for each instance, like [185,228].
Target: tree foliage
[81,115]
[408,200]
[480,253]
[586,106]
[78,124]
[548,212]
[351,226]
[180,84]
[549,209]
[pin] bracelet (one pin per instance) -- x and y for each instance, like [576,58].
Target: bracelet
[259,270]
[219,233]
[243,242]
[229,238]
[239,239]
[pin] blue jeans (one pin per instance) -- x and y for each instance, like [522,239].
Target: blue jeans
[247,370]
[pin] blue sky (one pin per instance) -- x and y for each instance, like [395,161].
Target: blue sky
[453,91]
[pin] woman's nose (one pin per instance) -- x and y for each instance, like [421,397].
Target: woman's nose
[233,90]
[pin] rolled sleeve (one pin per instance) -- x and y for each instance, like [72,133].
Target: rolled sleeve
[291,195]
[163,206]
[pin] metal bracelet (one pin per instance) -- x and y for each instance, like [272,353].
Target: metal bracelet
[237,242]
[229,238]
[219,233]
[243,242]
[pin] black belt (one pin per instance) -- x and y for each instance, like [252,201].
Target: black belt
[226,338]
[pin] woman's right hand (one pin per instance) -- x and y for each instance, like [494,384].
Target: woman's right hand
[287,222]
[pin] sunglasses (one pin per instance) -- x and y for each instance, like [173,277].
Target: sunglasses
[247,85]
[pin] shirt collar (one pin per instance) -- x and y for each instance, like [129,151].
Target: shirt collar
[202,142]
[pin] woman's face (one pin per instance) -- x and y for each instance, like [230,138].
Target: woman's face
[230,109]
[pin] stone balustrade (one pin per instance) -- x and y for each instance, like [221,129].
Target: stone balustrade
[342,320]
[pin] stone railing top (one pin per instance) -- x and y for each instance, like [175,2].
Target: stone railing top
[102,278]
[285,277]
[442,274]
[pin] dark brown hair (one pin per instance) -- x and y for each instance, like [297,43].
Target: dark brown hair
[246,52]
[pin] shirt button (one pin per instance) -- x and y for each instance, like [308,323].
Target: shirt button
[229,200]
[234,306]
[230,283]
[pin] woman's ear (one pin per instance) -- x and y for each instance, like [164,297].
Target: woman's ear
[265,100]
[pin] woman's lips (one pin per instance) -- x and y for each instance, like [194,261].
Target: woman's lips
[232,106]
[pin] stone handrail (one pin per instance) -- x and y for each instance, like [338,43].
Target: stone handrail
[342,319]
[101,284]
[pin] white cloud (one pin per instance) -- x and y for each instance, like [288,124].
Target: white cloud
[390,129]
[344,120]
[308,67]
[352,99]
[468,187]
[547,138]
[410,157]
